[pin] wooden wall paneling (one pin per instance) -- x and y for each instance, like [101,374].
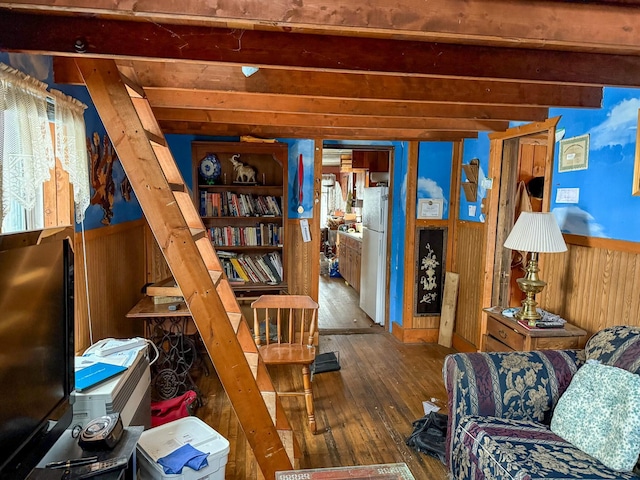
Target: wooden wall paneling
[391,156]
[471,270]
[115,258]
[454,206]
[156,265]
[593,286]
[303,258]
[409,236]
[315,221]
[300,261]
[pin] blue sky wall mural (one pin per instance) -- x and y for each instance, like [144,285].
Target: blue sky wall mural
[604,207]
[398,222]
[600,204]
[434,173]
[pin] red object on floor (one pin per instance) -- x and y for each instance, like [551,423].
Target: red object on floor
[166,411]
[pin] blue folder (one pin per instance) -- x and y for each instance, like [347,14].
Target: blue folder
[95,374]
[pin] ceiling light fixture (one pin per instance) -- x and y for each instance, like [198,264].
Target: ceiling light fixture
[248,71]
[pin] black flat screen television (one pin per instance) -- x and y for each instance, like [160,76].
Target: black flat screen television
[36,346]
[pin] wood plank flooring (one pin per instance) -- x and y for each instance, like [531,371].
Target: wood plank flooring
[339,308]
[364,411]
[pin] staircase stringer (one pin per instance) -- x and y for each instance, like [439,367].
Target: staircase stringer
[179,247]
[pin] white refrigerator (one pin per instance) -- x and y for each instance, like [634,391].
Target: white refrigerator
[374,252]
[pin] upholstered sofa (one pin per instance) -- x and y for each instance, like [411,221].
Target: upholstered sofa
[501,407]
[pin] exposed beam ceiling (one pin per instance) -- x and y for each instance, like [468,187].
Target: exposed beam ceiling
[361,70]
[287,50]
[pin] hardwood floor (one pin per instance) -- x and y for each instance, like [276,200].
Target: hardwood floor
[364,411]
[339,308]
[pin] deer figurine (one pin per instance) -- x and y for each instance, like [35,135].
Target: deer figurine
[244,173]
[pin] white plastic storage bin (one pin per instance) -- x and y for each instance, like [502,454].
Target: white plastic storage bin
[157,442]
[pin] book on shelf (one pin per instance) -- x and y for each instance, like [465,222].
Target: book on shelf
[256,268]
[230,204]
[239,270]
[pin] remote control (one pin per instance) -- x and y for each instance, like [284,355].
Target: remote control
[96,468]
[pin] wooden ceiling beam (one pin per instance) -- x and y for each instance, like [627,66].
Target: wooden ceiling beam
[241,101]
[342,120]
[195,128]
[597,26]
[65,35]
[195,98]
[229,78]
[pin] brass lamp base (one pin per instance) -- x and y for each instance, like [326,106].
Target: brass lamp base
[531,285]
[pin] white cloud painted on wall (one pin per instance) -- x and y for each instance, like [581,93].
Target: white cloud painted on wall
[619,128]
[403,194]
[577,221]
[429,188]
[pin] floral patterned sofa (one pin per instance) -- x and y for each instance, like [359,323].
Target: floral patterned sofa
[501,405]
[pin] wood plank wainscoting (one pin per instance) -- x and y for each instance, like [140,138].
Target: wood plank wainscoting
[594,284]
[116,273]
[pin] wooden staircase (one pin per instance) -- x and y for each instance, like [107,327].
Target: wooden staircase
[181,235]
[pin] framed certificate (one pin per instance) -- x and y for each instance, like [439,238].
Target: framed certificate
[430,208]
[574,154]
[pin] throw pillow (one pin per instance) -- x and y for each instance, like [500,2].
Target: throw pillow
[600,414]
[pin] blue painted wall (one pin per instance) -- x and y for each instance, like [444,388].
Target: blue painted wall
[434,173]
[306,149]
[398,223]
[605,207]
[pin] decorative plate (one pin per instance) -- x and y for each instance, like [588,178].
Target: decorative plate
[210,168]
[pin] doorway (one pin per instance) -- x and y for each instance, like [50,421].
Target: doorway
[346,172]
[521,165]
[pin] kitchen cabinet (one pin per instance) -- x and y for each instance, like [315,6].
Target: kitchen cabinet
[349,253]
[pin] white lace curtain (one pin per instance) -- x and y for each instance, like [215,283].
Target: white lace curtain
[71,147]
[26,145]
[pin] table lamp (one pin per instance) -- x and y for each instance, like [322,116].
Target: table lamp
[534,232]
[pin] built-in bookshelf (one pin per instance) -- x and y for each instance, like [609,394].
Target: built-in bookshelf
[244,215]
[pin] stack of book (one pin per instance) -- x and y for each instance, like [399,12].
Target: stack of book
[547,320]
[256,268]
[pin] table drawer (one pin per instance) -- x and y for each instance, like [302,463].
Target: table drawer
[493,345]
[504,334]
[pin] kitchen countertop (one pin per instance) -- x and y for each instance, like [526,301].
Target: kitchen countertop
[356,235]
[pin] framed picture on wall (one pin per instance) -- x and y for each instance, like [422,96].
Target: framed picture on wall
[574,154]
[429,286]
[430,208]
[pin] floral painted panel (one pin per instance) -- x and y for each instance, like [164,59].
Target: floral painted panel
[430,255]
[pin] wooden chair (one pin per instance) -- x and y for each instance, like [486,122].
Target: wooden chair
[284,329]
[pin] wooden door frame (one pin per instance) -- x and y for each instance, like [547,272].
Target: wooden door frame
[491,201]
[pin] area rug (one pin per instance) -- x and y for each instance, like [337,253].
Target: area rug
[388,471]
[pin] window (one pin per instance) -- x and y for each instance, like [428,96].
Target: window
[30,119]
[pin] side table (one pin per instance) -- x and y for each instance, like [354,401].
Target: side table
[504,334]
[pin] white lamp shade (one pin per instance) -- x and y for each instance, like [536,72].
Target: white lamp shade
[536,232]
